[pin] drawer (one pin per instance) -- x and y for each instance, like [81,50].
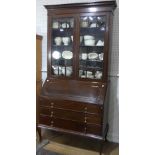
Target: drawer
[67,114]
[64,104]
[45,120]
[71,105]
[45,110]
[94,119]
[93,129]
[44,101]
[67,124]
[93,108]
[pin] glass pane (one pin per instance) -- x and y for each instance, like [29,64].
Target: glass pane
[91,56]
[62,47]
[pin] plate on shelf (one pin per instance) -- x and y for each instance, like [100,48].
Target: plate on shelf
[67,54]
[92,56]
[56,55]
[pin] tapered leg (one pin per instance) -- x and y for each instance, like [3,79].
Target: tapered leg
[101,147]
[39,132]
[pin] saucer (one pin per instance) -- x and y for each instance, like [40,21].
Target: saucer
[67,54]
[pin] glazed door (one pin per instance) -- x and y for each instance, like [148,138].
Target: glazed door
[91,47]
[62,47]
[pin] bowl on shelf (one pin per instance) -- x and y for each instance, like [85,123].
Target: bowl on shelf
[65,25]
[66,40]
[55,25]
[88,37]
[98,75]
[84,24]
[90,76]
[57,70]
[58,40]
[89,42]
[94,25]
[68,71]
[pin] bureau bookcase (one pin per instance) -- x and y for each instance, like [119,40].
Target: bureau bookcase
[72,99]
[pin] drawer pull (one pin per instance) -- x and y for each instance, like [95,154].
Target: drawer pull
[47,80]
[52,103]
[102,85]
[85,108]
[51,112]
[52,106]
[51,122]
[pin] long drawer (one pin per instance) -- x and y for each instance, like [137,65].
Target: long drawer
[70,125]
[72,105]
[71,115]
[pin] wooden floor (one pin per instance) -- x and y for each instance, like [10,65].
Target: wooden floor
[75,145]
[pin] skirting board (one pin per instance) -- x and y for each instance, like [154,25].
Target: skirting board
[113,138]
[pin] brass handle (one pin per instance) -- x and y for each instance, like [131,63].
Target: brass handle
[102,85]
[52,103]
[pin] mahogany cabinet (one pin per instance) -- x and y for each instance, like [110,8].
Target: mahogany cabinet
[73,96]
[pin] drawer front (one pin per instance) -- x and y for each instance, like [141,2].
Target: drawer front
[45,120]
[69,115]
[92,108]
[72,105]
[94,119]
[45,111]
[44,101]
[93,129]
[67,124]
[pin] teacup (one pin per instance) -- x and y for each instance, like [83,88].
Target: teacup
[98,74]
[58,40]
[89,73]
[84,24]
[66,40]
[65,25]
[55,25]
[101,56]
[84,56]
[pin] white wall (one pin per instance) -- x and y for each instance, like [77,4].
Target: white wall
[41,29]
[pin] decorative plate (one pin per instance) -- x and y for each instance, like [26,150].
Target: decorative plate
[56,55]
[67,54]
[92,56]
